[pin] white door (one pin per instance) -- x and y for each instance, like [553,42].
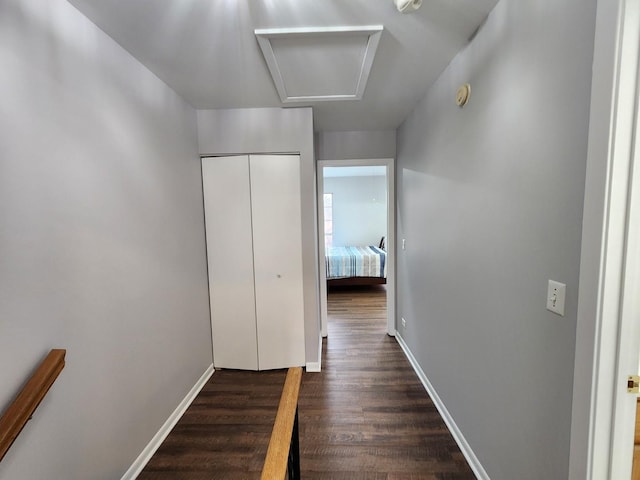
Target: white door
[624,411]
[277,251]
[254,252]
[227,209]
[608,330]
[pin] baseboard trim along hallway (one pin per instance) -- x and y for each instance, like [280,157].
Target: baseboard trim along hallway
[142,460]
[316,366]
[464,446]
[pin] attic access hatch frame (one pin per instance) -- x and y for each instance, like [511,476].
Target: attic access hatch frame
[370,33]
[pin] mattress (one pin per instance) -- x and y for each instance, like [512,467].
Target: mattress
[342,262]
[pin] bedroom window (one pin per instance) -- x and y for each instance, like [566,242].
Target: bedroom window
[328,219]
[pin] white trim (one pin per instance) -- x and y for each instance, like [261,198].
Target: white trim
[595,440]
[317,31]
[624,412]
[144,457]
[464,446]
[372,32]
[391,236]
[322,269]
[316,366]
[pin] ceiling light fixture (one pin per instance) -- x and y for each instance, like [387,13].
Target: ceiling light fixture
[407,6]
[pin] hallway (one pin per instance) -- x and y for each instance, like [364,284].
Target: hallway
[365,417]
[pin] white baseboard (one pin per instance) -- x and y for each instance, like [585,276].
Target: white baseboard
[158,438]
[316,366]
[313,367]
[464,446]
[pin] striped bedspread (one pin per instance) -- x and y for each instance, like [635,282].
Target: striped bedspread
[356,262]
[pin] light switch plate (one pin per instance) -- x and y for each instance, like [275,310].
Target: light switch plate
[556,292]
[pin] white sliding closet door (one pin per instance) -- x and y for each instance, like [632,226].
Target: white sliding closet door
[227,205]
[277,251]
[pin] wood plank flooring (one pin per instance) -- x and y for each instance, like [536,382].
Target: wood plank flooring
[225,432]
[365,417]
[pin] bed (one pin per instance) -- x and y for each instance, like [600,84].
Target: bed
[365,265]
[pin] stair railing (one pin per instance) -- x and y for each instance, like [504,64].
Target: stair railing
[283,454]
[21,409]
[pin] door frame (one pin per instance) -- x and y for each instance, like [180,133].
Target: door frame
[607,341]
[390,240]
[628,354]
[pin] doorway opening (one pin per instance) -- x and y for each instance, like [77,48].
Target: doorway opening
[356,218]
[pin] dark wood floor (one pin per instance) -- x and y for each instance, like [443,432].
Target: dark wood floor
[365,417]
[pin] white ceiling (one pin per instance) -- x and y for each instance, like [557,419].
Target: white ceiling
[207,51]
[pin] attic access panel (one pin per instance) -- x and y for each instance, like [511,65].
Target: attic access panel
[319,64]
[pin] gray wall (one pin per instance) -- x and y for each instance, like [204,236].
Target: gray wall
[276,130]
[355,145]
[490,203]
[101,243]
[359,209]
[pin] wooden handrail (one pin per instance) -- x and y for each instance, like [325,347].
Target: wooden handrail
[284,433]
[19,412]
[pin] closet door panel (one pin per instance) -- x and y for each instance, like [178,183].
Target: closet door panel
[227,208]
[275,199]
